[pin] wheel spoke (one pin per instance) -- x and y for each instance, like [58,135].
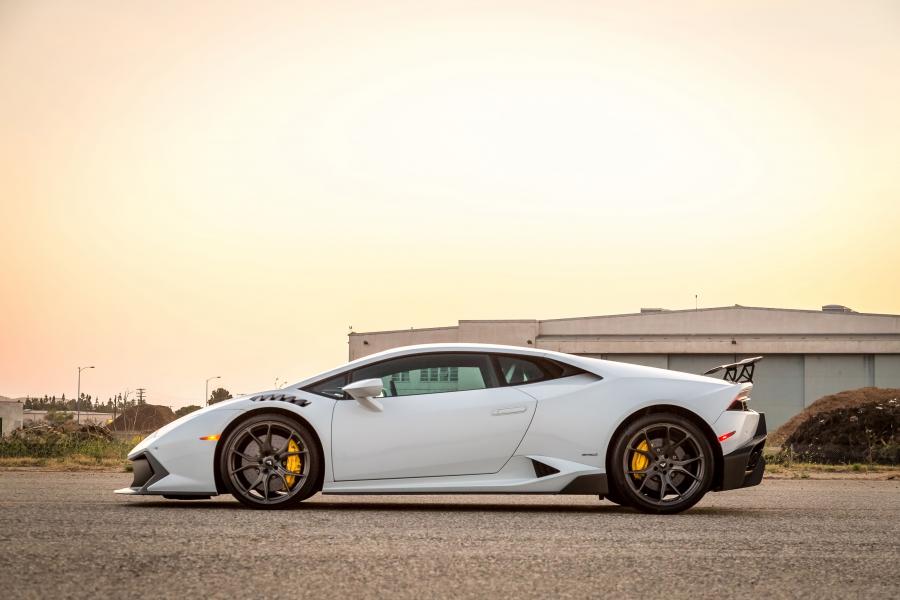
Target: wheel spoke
[639,451]
[245,457]
[680,442]
[287,444]
[244,468]
[644,483]
[256,482]
[687,461]
[292,473]
[256,439]
[295,453]
[647,439]
[662,487]
[269,438]
[671,485]
[265,487]
[686,472]
[287,488]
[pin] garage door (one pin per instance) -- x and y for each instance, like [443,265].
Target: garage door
[778,388]
[827,374]
[887,370]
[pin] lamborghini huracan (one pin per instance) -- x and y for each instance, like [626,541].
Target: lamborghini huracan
[468,419]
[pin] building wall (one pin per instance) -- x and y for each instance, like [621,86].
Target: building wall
[10,417]
[94,418]
[659,361]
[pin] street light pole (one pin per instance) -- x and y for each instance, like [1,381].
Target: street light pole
[207,388]
[78,395]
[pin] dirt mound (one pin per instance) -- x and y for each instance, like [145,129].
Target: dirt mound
[865,433]
[144,418]
[848,399]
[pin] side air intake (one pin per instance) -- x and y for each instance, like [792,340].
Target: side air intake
[542,470]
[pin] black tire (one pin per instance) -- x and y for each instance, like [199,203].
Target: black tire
[613,496]
[262,469]
[662,463]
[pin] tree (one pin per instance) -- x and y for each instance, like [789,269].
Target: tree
[57,418]
[186,410]
[219,395]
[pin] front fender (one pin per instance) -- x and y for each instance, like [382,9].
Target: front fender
[186,459]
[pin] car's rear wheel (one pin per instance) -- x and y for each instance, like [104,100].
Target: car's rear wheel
[662,463]
[270,461]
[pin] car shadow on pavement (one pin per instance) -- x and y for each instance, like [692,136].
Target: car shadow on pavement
[450,507]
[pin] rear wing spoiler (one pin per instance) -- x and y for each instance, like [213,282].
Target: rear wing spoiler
[739,372]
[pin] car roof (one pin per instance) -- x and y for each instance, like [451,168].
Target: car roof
[426,349]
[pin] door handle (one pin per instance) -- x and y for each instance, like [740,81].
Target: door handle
[510,410]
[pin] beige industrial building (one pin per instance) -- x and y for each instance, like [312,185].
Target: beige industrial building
[808,353]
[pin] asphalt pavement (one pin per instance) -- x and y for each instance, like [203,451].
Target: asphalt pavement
[66,535]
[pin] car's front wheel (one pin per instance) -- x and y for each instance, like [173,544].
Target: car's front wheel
[270,461]
[662,463]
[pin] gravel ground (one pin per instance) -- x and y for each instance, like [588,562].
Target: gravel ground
[66,535]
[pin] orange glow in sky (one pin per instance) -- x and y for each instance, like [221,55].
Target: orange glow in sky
[194,189]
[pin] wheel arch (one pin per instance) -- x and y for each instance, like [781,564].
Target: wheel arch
[220,485]
[696,419]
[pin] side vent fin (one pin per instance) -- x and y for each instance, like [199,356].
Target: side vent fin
[542,470]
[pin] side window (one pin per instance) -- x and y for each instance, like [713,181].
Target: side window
[519,370]
[430,374]
[330,387]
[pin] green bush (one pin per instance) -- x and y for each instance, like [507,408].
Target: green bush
[63,441]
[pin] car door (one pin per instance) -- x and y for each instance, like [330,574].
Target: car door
[444,414]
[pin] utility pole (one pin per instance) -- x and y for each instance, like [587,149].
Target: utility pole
[78,395]
[140,395]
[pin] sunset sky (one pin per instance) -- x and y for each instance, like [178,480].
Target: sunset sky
[189,189]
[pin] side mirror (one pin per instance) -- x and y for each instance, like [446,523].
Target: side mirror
[365,391]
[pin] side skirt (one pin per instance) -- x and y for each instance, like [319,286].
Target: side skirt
[521,475]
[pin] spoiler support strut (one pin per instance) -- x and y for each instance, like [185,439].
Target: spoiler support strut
[739,372]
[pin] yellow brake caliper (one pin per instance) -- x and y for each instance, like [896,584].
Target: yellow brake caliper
[293,463]
[639,461]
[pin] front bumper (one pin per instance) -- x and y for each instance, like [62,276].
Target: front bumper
[745,466]
[147,471]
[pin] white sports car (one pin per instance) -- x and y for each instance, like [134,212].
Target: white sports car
[468,418]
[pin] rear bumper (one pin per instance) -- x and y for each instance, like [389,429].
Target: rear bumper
[745,466]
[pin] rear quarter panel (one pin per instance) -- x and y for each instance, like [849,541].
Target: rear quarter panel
[576,417]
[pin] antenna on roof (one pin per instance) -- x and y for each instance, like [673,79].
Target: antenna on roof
[696,301]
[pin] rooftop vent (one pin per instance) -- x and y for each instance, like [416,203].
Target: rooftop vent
[836,308]
[653,310]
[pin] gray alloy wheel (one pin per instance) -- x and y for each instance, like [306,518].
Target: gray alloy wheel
[662,463]
[270,461]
